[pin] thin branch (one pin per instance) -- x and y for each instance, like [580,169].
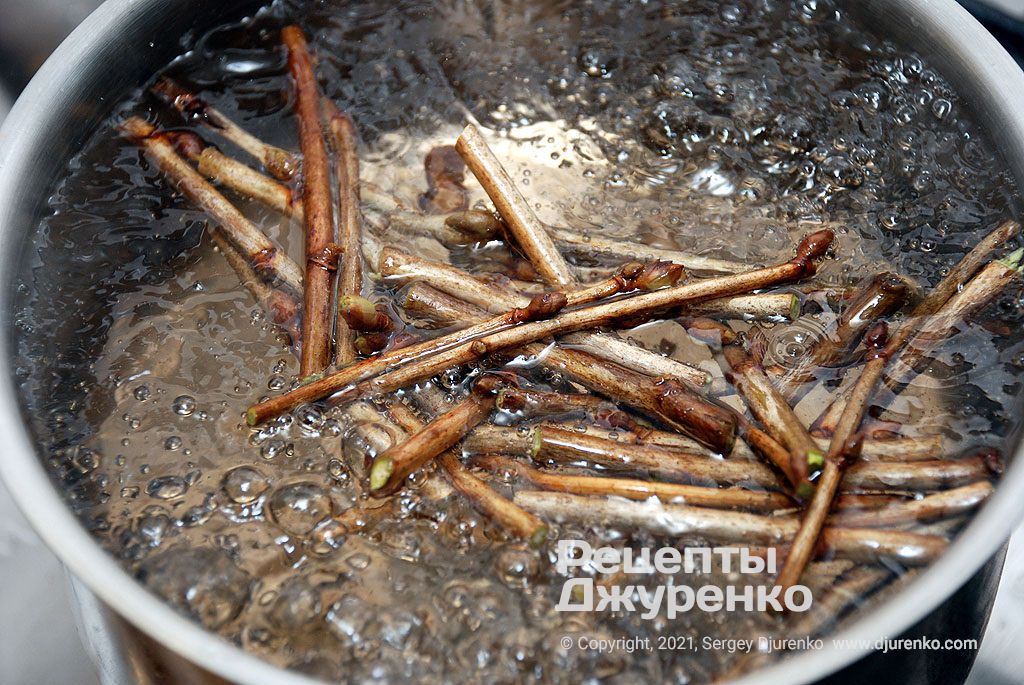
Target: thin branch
[937,474]
[321,252]
[720,433]
[717,525]
[391,468]
[230,173]
[940,505]
[280,163]
[350,263]
[716,498]
[523,224]
[932,303]
[775,414]
[264,257]
[758,307]
[283,309]
[513,519]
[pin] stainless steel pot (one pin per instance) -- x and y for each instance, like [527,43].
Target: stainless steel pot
[125,41]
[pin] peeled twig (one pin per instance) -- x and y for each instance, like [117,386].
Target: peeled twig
[931,304]
[775,414]
[858,544]
[485,499]
[278,162]
[391,468]
[936,506]
[229,172]
[321,252]
[283,308]
[264,257]
[350,263]
[716,498]
[523,224]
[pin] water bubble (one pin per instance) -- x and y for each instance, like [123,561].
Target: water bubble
[184,405]
[172,443]
[244,484]
[167,487]
[142,393]
[297,508]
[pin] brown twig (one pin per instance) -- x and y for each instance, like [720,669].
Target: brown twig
[811,248]
[391,468]
[929,508]
[283,309]
[263,256]
[513,519]
[937,474]
[716,498]
[440,308]
[758,307]
[278,162]
[350,263]
[523,224]
[932,303]
[321,252]
[230,173]
[530,403]
[858,544]
[775,414]
[567,446]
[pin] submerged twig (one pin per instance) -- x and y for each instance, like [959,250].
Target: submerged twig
[283,309]
[509,516]
[717,498]
[391,468]
[321,251]
[229,172]
[280,163]
[263,256]
[939,505]
[350,263]
[523,224]
[717,525]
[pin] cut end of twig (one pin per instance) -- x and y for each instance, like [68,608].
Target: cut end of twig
[537,444]
[136,128]
[794,308]
[252,417]
[1013,260]
[380,472]
[815,460]
[362,314]
[539,536]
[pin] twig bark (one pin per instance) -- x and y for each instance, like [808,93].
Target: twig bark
[280,163]
[858,544]
[230,173]
[321,252]
[775,414]
[515,520]
[350,263]
[264,257]
[716,498]
[929,508]
[283,309]
[523,224]
[390,469]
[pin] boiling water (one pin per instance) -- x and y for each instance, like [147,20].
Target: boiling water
[719,128]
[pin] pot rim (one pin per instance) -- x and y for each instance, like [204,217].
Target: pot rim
[30,486]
